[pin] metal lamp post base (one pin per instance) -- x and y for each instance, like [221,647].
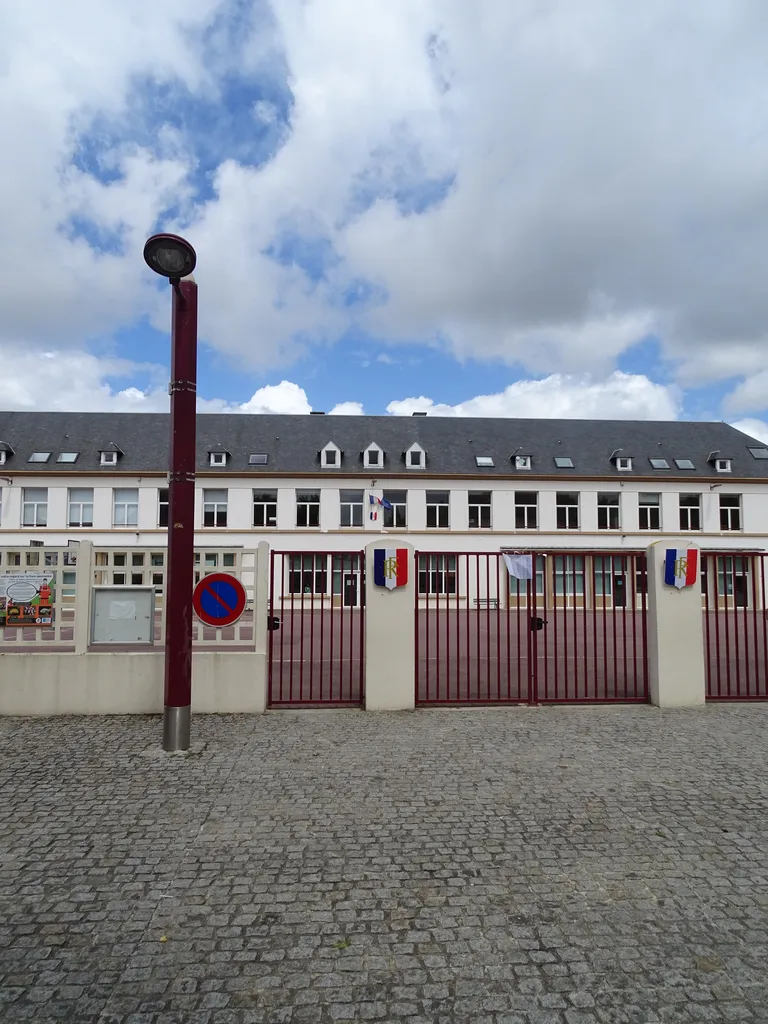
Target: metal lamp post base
[176,728]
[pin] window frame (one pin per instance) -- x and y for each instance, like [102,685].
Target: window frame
[259,500]
[399,510]
[82,504]
[649,507]
[258,459]
[312,578]
[36,504]
[611,522]
[563,462]
[163,504]
[328,450]
[566,508]
[729,513]
[422,457]
[437,575]
[351,508]
[373,450]
[130,508]
[659,469]
[523,511]
[311,508]
[523,462]
[112,460]
[687,512]
[624,463]
[438,508]
[68,462]
[723,466]
[215,509]
[481,508]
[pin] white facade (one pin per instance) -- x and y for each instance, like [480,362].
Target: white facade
[319,513]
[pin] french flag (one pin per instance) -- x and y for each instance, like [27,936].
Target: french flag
[681,567]
[390,567]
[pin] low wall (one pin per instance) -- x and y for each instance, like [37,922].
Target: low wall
[127,684]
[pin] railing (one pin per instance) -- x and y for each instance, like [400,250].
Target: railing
[735,613]
[574,632]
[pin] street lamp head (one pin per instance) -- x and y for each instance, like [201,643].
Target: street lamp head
[170,256]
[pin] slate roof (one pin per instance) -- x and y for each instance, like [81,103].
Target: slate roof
[293,444]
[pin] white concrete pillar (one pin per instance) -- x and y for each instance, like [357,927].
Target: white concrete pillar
[83,592]
[390,673]
[260,617]
[675,634]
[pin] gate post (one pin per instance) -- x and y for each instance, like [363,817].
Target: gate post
[390,670]
[675,634]
[261,585]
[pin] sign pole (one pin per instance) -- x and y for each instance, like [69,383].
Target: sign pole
[181,518]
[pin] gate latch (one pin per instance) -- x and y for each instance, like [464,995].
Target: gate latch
[537,623]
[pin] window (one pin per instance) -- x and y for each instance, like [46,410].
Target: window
[569,575]
[723,465]
[733,579]
[608,509]
[308,574]
[684,464]
[351,508]
[650,511]
[567,508]
[258,459]
[758,453]
[214,507]
[80,506]
[373,457]
[34,507]
[108,458]
[522,462]
[479,510]
[330,457]
[162,506]
[519,588]
[730,511]
[3,454]
[125,506]
[438,510]
[690,511]
[265,508]
[39,456]
[217,458]
[624,464]
[563,462]
[484,461]
[396,516]
[437,574]
[1,506]
[659,463]
[414,458]
[526,510]
[67,457]
[307,508]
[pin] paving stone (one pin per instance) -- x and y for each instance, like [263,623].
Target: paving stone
[501,866]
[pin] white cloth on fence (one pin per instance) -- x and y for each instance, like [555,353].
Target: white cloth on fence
[519,566]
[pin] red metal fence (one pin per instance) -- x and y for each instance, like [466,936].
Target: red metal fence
[733,588]
[317,623]
[575,632]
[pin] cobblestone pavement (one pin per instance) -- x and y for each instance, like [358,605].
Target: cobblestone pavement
[509,866]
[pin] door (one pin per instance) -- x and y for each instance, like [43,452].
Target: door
[350,590]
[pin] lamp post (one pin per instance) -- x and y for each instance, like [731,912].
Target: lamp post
[174,258]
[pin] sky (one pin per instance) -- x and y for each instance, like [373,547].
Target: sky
[506,208]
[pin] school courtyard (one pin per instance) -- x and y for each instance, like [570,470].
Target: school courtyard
[559,865]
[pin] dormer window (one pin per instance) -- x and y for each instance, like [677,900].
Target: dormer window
[108,457]
[330,456]
[624,464]
[373,457]
[723,465]
[2,457]
[218,458]
[415,457]
[522,462]
[5,452]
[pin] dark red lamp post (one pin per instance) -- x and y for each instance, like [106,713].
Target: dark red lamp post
[174,258]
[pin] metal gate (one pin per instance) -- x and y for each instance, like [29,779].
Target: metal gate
[576,632]
[317,624]
[735,625]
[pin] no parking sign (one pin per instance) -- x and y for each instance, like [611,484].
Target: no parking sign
[219,599]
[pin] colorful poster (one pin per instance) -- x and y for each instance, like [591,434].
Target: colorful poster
[26,599]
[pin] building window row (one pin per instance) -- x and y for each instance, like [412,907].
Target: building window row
[392,507]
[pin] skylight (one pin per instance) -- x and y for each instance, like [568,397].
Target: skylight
[39,456]
[659,463]
[684,464]
[257,459]
[67,457]
[484,460]
[758,453]
[563,462]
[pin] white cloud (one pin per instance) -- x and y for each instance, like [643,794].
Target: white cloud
[589,203]
[750,394]
[620,396]
[755,428]
[347,409]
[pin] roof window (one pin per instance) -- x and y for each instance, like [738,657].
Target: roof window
[684,464]
[484,461]
[563,462]
[67,457]
[39,457]
[258,459]
[659,463]
[758,453]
